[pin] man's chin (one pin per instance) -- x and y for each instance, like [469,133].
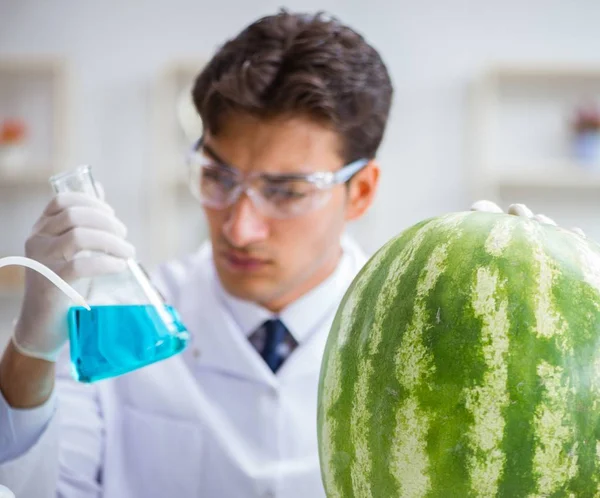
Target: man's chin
[241,288]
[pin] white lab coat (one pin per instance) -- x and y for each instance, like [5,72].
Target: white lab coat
[192,426]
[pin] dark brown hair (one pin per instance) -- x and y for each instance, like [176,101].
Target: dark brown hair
[304,64]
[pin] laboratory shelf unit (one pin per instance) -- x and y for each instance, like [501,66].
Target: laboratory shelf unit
[522,145]
[33,123]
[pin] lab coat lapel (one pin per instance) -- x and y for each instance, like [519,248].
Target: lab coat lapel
[220,344]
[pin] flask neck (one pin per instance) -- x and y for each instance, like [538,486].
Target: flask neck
[79,180]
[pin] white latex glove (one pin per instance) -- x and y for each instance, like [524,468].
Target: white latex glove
[518,210]
[71,223]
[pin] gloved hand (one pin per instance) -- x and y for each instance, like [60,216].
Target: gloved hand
[71,223]
[518,210]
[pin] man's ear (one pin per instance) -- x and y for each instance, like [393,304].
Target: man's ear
[361,191]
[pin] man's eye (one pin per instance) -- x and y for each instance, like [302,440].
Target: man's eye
[286,193]
[223,178]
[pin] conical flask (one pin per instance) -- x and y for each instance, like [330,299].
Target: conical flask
[129,325]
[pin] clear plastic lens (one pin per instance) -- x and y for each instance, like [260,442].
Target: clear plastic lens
[217,187]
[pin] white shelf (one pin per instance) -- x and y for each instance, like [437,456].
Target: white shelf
[31,176]
[568,177]
[32,64]
[544,71]
[35,91]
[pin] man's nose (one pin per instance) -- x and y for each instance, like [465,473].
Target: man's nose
[244,224]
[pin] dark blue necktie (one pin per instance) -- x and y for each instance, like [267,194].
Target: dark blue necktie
[275,333]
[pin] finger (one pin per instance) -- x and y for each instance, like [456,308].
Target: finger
[80,239]
[520,210]
[91,267]
[578,231]
[81,216]
[64,201]
[486,206]
[544,219]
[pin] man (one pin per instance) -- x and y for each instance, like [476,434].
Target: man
[294,110]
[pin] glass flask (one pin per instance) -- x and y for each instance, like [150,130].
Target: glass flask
[128,325]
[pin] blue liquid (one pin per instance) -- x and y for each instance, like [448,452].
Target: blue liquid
[111,340]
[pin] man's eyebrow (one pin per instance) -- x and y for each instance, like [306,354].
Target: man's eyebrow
[210,151]
[274,177]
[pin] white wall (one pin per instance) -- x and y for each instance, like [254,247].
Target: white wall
[433,49]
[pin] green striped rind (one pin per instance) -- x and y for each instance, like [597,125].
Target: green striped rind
[555,454]
[463,361]
[487,400]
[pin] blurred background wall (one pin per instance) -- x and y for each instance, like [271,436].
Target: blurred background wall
[98,83]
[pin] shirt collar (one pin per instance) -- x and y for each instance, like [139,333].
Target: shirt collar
[248,315]
[303,315]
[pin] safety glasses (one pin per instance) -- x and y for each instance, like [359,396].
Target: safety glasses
[218,185]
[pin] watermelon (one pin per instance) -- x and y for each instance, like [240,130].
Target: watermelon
[464,361]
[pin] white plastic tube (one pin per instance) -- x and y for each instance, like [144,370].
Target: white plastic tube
[49,274]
